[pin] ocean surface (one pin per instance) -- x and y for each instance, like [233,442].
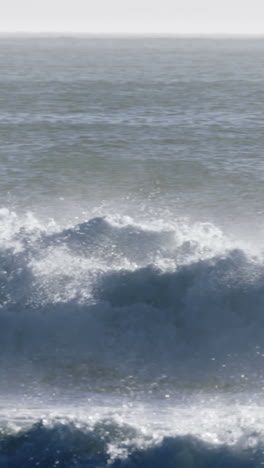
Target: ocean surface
[131,252]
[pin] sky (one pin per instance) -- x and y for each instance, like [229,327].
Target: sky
[133,16]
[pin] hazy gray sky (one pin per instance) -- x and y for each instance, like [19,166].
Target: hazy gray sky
[150,16]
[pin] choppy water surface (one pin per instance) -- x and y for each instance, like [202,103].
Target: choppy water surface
[131,246]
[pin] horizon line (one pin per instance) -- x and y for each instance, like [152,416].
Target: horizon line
[161,34]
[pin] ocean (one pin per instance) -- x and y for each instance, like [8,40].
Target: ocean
[132,252]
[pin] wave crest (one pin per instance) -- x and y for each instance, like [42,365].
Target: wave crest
[118,296]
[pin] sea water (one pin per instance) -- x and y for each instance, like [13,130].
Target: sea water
[131,245]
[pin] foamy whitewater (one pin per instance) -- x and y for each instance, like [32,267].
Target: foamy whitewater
[132,253]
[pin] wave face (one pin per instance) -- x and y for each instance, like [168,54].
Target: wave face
[111,303]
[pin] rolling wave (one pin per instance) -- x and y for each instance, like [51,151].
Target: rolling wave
[119,445]
[108,298]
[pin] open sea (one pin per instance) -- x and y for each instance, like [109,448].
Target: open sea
[131,252]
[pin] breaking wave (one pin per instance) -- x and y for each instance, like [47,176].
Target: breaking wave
[110,300]
[110,444]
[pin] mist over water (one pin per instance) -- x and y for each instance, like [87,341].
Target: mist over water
[131,248]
